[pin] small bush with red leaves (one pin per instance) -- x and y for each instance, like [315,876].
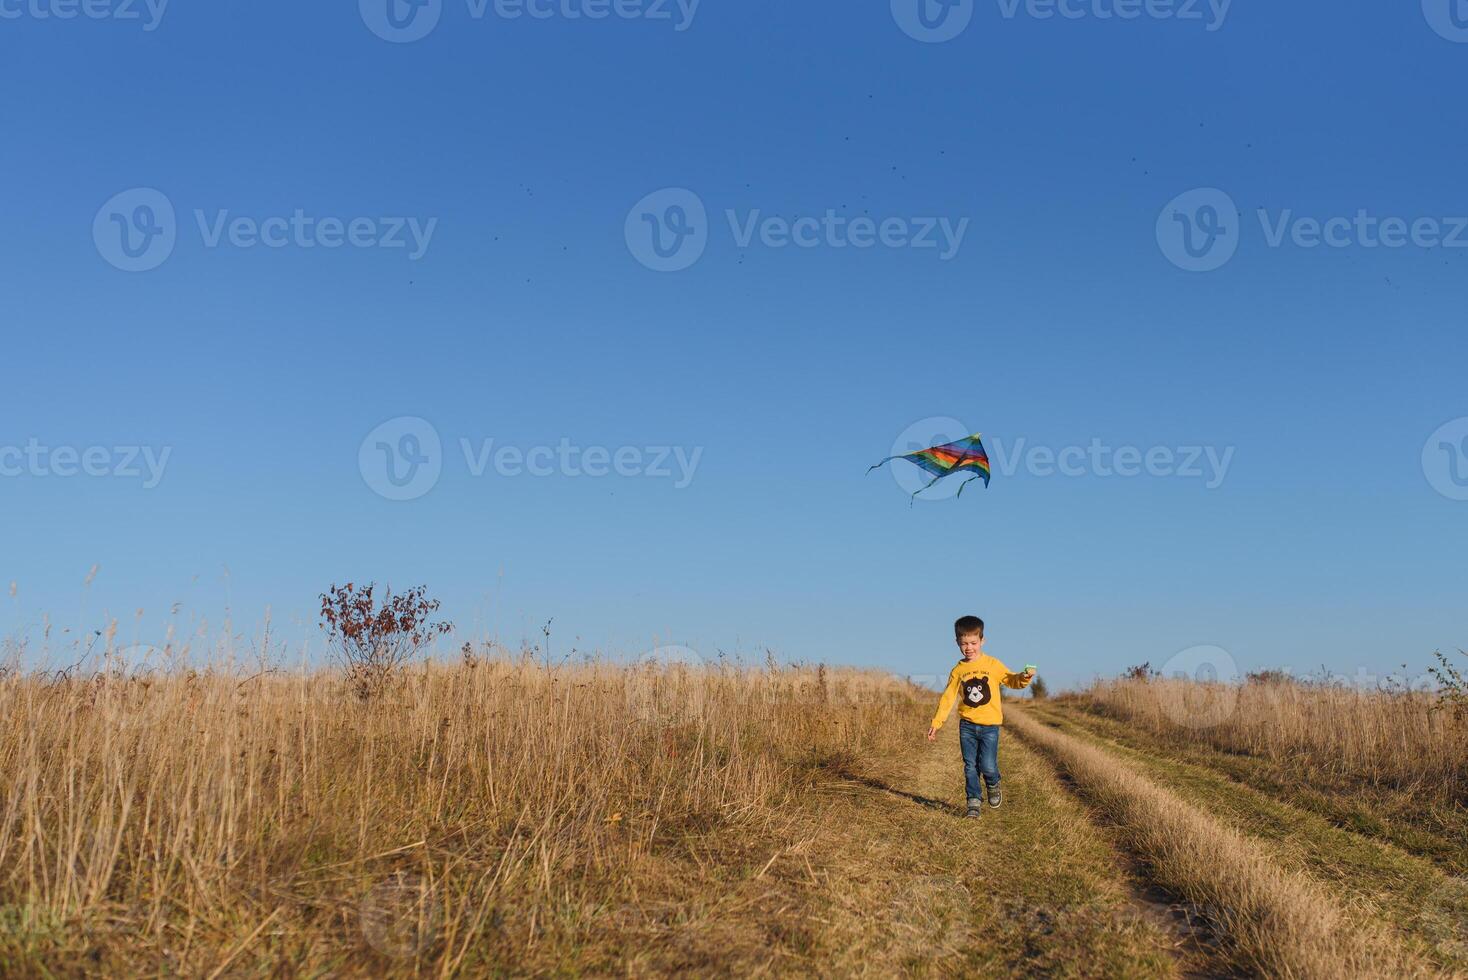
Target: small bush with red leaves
[375,638]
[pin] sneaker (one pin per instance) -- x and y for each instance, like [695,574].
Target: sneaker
[994,797]
[975,808]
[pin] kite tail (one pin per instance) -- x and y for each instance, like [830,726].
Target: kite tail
[913,499]
[887,460]
[966,483]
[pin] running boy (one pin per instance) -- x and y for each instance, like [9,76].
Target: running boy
[978,676]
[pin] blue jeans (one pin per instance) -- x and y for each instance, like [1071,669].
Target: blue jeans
[980,744]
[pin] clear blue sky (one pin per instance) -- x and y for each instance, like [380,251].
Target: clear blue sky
[528,320]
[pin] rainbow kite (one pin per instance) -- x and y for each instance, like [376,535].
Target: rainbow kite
[966,454]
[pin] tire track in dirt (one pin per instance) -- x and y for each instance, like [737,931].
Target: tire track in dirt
[1046,893]
[1376,880]
[1275,922]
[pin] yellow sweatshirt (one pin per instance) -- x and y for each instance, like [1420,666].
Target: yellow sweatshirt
[975,684]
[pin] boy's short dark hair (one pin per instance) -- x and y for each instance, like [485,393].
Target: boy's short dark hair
[968,624]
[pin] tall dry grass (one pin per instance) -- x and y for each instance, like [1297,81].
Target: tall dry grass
[1277,924]
[1400,740]
[490,815]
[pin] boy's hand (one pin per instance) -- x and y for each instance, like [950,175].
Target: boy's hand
[932,733]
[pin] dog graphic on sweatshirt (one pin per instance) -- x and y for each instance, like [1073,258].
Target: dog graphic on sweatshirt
[976,691]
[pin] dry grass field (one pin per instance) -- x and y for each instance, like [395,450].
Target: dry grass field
[1361,795]
[1339,735]
[500,816]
